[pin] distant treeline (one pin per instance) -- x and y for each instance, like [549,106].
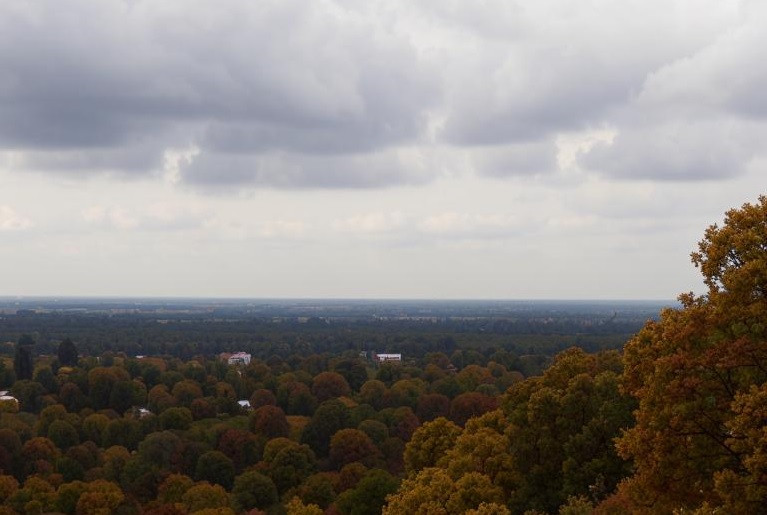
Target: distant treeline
[533,338]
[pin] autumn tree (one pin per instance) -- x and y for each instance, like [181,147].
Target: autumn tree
[241,446]
[471,404]
[100,498]
[374,392]
[431,406]
[269,421]
[328,385]
[173,488]
[699,374]
[350,445]
[203,495]
[429,444]
[262,397]
[433,491]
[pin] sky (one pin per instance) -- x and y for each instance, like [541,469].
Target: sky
[493,149]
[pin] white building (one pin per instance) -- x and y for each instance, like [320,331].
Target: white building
[239,358]
[388,357]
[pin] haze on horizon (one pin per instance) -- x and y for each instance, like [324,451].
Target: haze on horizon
[381,149]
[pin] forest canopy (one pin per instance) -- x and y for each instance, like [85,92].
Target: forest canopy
[674,422]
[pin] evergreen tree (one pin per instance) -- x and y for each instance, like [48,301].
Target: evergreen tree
[23,364]
[67,353]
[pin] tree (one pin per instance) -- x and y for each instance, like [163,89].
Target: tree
[204,495]
[100,498]
[63,434]
[369,496]
[469,405]
[186,391]
[431,406]
[328,385]
[215,467]
[67,353]
[8,486]
[29,393]
[287,462]
[262,397]
[350,445]
[376,430]
[296,507]
[101,381]
[269,421]
[172,489]
[240,446]
[699,375]
[318,489]
[176,418]
[253,490]
[354,372]
[23,364]
[373,392]
[94,427]
[39,454]
[162,450]
[330,416]
[429,443]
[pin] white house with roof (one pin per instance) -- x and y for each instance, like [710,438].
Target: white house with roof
[239,358]
[381,358]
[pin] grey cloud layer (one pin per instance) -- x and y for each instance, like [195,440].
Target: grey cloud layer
[296,94]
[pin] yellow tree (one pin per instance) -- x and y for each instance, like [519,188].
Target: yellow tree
[698,374]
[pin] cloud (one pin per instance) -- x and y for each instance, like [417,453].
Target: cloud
[675,151]
[567,69]
[519,159]
[371,223]
[337,94]
[113,86]
[282,229]
[699,117]
[469,225]
[153,217]
[10,220]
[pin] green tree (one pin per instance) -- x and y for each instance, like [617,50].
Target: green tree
[67,353]
[369,496]
[23,364]
[288,463]
[176,418]
[330,416]
[63,434]
[253,490]
[215,467]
